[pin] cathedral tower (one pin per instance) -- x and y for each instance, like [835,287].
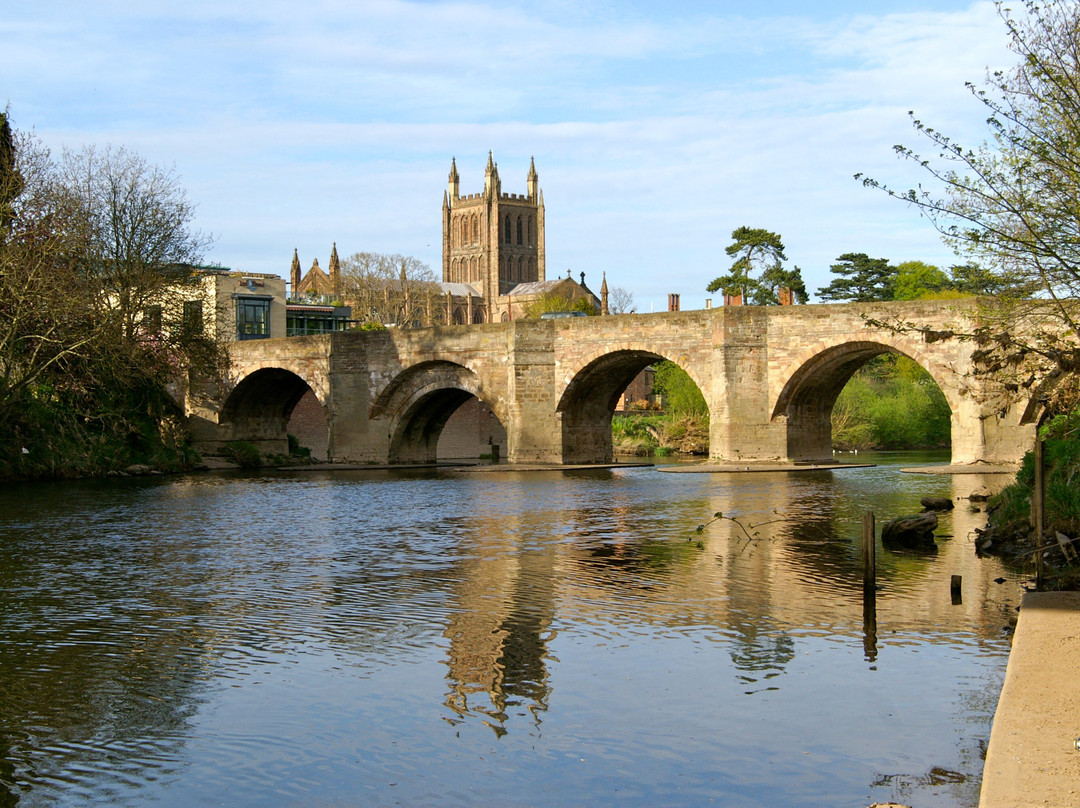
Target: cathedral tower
[491,240]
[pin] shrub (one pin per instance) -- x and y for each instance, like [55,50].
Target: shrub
[244,454]
[295,449]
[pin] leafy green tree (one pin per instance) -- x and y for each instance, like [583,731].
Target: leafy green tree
[861,279]
[681,395]
[1010,203]
[916,280]
[762,252]
[548,303]
[776,278]
[973,279]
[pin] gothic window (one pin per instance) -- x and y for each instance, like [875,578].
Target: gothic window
[519,241]
[532,270]
[509,237]
[521,268]
[503,274]
[531,232]
[505,317]
[475,230]
[477,315]
[459,316]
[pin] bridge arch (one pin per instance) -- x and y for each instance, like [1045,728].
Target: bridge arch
[592,394]
[259,406]
[418,403]
[806,398]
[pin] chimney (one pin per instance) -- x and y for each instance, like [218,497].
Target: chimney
[733,298]
[785,295]
[673,302]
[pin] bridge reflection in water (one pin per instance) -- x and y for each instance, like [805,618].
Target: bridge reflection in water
[513,638]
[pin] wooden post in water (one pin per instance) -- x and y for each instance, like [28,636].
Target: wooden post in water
[869,552]
[955,588]
[869,559]
[1038,501]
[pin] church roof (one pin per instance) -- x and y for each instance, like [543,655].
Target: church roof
[458,289]
[537,287]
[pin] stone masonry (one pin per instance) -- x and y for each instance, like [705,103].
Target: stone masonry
[769,374]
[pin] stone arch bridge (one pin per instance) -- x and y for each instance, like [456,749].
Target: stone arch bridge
[770,376]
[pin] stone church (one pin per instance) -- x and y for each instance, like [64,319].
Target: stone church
[493,261]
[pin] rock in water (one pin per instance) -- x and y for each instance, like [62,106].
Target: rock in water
[937,503]
[910,532]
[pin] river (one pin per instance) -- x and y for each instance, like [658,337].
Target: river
[492,639]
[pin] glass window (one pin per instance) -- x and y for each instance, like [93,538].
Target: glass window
[252,318]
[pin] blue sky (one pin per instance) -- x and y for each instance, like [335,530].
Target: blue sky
[655,133]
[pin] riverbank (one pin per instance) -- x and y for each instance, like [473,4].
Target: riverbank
[1033,758]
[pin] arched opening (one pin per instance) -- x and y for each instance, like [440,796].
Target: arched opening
[437,413]
[591,399]
[871,395]
[269,405]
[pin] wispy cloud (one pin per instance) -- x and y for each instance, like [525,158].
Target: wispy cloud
[655,134]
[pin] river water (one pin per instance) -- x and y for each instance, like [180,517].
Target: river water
[492,639]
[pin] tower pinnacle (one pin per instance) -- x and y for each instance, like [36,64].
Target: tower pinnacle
[532,181]
[455,181]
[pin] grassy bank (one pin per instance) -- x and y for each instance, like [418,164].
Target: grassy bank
[659,435]
[1010,532]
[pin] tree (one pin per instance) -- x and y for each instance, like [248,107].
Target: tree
[917,280]
[1011,202]
[682,397]
[972,279]
[134,239]
[861,279]
[10,179]
[761,251]
[391,289]
[620,301]
[776,278]
[556,302]
[91,243]
[45,322]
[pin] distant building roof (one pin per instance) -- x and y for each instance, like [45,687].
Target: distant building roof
[536,287]
[458,289]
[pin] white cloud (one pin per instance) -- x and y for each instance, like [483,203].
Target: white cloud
[654,135]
